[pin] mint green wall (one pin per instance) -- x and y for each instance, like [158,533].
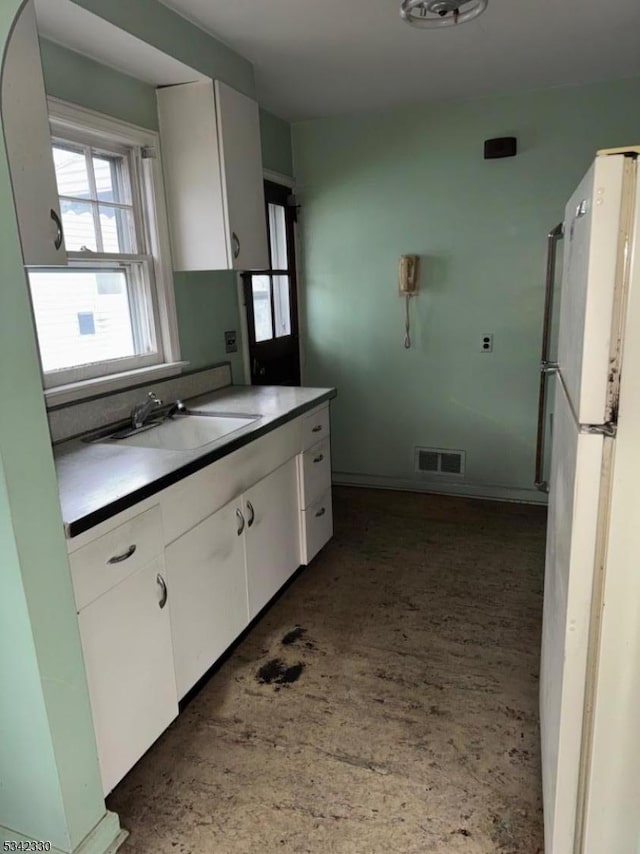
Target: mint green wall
[159,26]
[414,181]
[276,143]
[206,303]
[75,78]
[49,780]
[207,306]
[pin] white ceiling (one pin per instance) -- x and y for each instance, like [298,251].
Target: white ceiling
[324,57]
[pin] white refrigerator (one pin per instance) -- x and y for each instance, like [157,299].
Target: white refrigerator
[590,665]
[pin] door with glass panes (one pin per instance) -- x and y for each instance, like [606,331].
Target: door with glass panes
[271,299]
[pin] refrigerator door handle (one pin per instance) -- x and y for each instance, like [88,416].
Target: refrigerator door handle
[546,366]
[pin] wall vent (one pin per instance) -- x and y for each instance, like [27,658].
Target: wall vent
[440,461]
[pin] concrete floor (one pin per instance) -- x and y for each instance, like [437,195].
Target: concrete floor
[411,724]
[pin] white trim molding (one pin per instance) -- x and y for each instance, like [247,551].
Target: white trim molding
[114,382]
[279,178]
[76,118]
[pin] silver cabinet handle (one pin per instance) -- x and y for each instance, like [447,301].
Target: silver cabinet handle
[236,244]
[317,428]
[319,458]
[124,556]
[252,514]
[59,232]
[240,522]
[321,512]
[546,367]
[163,587]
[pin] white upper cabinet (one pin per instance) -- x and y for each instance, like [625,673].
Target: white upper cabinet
[211,155]
[26,129]
[243,180]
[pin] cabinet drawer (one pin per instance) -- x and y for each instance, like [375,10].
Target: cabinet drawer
[317,527]
[315,472]
[315,427]
[100,565]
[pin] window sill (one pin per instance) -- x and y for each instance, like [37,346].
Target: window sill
[114,382]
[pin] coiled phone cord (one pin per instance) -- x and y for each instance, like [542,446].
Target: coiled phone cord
[407,325]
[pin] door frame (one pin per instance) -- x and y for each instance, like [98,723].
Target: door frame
[289,182]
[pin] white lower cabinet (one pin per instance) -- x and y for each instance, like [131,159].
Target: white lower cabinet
[314,474]
[272,534]
[208,584]
[126,641]
[166,588]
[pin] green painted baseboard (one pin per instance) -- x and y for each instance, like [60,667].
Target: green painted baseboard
[464,490]
[105,838]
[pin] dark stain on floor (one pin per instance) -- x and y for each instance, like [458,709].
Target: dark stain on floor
[275,672]
[294,635]
[298,634]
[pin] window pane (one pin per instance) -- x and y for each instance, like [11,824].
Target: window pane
[261,289]
[118,230]
[79,225]
[86,316]
[112,183]
[278,237]
[281,305]
[71,172]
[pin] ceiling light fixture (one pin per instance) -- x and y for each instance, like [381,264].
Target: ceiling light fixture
[440,13]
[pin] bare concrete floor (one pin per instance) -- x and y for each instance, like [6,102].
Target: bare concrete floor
[412,724]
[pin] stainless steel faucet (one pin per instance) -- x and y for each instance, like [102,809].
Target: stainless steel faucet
[141,411]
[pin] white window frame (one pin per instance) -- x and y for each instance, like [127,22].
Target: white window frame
[73,123]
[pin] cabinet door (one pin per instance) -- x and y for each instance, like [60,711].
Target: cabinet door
[126,641]
[208,584]
[26,128]
[192,178]
[241,157]
[272,534]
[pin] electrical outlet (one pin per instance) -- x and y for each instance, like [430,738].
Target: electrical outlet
[487,343]
[231,341]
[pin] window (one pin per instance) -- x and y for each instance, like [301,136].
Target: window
[111,309]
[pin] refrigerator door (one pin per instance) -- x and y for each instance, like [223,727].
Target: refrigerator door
[593,268]
[612,778]
[576,465]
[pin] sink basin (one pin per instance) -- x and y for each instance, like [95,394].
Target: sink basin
[185,432]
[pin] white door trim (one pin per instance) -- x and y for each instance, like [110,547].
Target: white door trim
[279,178]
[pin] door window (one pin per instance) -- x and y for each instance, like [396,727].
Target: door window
[270,297]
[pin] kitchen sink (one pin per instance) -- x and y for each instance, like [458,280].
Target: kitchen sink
[182,432]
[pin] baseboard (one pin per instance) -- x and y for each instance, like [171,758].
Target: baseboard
[464,490]
[105,838]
